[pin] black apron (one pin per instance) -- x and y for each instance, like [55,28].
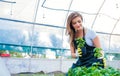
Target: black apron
[87,58]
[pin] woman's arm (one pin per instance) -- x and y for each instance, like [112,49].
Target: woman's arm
[97,44]
[73,54]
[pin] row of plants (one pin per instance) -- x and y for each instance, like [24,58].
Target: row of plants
[6,53]
[93,71]
[19,55]
[15,54]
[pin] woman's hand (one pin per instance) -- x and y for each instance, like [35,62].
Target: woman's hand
[98,52]
[79,52]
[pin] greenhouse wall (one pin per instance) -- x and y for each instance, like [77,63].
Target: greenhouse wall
[19,65]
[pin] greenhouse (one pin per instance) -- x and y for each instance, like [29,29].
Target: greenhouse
[33,36]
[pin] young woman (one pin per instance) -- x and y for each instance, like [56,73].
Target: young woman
[76,30]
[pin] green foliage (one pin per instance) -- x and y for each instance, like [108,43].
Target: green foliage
[97,52]
[12,53]
[93,71]
[2,51]
[80,42]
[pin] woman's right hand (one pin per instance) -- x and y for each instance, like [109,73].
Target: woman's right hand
[79,52]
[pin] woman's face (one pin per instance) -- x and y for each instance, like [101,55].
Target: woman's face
[77,23]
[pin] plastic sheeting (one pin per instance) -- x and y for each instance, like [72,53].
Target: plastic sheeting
[49,17]
[3,69]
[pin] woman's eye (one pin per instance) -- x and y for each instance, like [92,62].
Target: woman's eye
[79,21]
[74,23]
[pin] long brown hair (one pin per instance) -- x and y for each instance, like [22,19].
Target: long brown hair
[69,28]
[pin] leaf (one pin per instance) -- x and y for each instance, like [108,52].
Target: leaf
[97,52]
[80,42]
[93,71]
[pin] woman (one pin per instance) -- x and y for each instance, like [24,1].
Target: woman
[76,30]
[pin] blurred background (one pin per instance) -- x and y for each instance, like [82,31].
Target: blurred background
[35,29]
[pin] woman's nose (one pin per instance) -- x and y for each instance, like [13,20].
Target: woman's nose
[77,24]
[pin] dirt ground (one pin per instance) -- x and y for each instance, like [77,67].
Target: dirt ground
[41,73]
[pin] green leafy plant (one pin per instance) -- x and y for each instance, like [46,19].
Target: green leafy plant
[93,71]
[2,51]
[97,52]
[80,43]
